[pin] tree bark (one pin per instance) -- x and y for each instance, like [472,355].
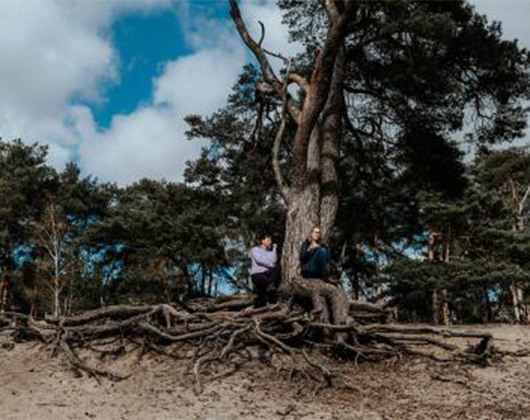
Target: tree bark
[302,214]
[445,314]
[4,286]
[520,308]
[332,131]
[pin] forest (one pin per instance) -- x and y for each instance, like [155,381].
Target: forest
[398,130]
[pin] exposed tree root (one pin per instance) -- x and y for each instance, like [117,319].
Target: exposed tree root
[217,338]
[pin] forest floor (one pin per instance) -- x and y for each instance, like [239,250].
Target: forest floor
[35,386]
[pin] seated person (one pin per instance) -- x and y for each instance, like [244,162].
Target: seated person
[314,256]
[262,272]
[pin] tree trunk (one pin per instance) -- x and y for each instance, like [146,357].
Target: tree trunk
[189,286]
[434,296]
[4,286]
[5,283]
[332,131]
[210,280]
[329,303]
[56,280]
[378,289]
[203,280]
[520,309]
[445,315]
[489,310]
[302,215]
[56,302]
[312,198]
[435,301]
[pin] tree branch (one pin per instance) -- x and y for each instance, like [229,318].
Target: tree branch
[331,10]
[300,80]
[282,185]
[259,53]
[320,83]
[523,200]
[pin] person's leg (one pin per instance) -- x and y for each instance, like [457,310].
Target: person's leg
[272,286]
[321,259]
[260,282]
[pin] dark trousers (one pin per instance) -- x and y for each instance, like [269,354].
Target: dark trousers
[317,266]
[264,287]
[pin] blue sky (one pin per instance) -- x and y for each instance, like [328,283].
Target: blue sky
[144,42]
[107,83]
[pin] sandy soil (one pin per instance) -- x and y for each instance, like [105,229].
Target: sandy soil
[35,386]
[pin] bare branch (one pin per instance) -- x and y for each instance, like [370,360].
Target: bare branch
[256,49]
[276,55]
[331,10]
[320,84]
[282,185]
[262,26]
[299,80]
[523,200]
[514,190]
[259,53]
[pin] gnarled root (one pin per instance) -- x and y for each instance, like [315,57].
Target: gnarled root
[217,338]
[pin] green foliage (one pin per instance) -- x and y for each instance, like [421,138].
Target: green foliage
[237,165]
[24,182]
[160,221]
[489,247]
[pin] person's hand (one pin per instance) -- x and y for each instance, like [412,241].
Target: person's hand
[274,246]
[314,245]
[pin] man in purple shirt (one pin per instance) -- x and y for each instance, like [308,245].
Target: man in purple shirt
[262,272]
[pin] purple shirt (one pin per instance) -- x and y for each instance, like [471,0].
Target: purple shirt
[262,260]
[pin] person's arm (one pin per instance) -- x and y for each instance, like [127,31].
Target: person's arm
[264,258]
[305,253]
[273,256]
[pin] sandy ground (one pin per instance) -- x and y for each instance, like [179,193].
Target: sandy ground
[35,386]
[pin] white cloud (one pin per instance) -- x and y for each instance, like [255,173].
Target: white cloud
[138,145]
[58,49]
[150,142]
[52,51]
[276,34]
[199,83]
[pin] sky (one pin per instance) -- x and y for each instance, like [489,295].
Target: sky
[107,83]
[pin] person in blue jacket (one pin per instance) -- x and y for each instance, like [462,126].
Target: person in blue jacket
[314,256]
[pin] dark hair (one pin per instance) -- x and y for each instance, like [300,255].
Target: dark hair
[264,235]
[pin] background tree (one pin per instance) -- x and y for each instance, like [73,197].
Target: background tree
[156,233]
[24,182]
[55,255]
[505,180]
[488,254]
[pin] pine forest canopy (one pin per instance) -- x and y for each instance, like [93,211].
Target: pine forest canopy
[361,134]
